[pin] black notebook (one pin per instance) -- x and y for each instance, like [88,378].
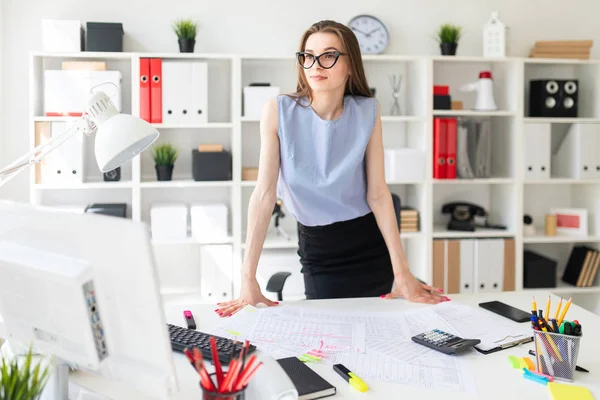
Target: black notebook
[309,384]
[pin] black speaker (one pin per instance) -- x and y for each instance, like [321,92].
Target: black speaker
[553,98]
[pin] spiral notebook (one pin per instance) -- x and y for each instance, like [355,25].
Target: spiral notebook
[308,383]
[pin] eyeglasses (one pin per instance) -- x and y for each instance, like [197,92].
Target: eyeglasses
[325,60]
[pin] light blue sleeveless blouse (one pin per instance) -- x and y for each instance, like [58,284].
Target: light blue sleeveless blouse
[322,175]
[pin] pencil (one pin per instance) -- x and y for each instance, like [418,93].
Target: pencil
[534,304]
[558,309]
[548,309]
[564,312]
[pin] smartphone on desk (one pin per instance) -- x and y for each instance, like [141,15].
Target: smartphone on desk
[507,311]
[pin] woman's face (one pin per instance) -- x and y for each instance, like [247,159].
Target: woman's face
[320,78]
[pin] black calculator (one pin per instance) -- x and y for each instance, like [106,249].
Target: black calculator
[444,342]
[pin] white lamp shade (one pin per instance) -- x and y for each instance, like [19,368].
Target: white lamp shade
[120,138]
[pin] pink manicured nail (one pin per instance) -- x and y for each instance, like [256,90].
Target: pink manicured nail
[276,302]
[382,296]
[441,290]
[447,298]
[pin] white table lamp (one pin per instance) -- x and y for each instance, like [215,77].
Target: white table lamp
[119,137]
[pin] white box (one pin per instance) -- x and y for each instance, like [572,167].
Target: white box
[66,92]
[404,165]
[255,97]
[169,221]
[209,221]
[62,35]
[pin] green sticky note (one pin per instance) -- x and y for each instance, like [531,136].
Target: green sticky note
[308,357]
[514,361]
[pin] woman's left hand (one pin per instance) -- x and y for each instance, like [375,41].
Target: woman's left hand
[411,289]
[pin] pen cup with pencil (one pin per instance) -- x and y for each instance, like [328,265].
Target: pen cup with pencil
[556,354]
[227,383]
[556,341]
[210,394]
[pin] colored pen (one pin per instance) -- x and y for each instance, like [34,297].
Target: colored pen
[189,319]
[352,379]
[555,325]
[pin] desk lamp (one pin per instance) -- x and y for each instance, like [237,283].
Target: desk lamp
[119,137]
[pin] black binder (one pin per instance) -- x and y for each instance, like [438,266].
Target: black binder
[308,383]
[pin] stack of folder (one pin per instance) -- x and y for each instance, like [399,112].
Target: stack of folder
[582,266]
[409,220]
[577,49]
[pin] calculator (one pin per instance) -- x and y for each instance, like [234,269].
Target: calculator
[444,342]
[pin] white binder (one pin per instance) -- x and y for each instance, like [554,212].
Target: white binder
[577,156]
[467,263]
[216,268]
[537,151]
[184,92]
[65,163]
[489,265]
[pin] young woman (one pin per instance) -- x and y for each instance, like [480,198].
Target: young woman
[322,154]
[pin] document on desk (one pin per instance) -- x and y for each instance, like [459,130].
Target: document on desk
[446,373]
[309,334]
[493,330]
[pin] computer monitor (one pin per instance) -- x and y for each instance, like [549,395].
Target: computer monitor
[83,287]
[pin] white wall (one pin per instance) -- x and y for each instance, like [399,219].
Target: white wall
[266,26]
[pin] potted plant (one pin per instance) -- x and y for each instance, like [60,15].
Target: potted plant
[164,160]
[22,380]
[185,29]
[448,36]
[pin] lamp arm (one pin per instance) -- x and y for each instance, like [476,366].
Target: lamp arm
[38,153]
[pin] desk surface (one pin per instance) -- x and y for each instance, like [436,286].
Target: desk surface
[494,377]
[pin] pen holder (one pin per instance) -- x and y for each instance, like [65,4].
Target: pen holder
[210,395]
[556,354]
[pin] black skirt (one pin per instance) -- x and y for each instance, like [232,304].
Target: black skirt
[345,259]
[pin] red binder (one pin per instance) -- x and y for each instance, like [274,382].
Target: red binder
[439,148]
[145,89]
[156,90]
[450,148]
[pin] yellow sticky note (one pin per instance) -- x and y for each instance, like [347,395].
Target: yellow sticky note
[563,391]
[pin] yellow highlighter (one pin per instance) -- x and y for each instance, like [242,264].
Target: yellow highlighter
[351,378]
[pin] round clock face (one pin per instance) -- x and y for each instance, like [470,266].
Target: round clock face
[371,33]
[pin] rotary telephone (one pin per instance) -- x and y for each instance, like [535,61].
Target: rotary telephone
[463,217]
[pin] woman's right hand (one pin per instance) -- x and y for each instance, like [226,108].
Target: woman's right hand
[250,294]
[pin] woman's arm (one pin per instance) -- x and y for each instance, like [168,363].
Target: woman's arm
[260,209]
[262,200]
[380,201]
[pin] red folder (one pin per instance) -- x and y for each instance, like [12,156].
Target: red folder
[145,89]
[450,148]
[156,90]
[439,148]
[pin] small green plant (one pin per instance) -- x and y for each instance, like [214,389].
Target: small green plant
[448,33]
[21,382]
[164,154]
[185,28]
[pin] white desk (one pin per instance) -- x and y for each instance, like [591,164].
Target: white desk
[494,377]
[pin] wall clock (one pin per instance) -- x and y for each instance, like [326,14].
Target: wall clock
[372,34]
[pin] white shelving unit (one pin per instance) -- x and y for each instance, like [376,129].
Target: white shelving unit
[506,195]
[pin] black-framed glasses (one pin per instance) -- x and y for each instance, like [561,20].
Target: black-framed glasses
[325,60]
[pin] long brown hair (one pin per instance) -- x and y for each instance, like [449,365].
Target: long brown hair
[357,81]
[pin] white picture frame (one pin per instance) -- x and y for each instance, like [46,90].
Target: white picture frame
[571,221]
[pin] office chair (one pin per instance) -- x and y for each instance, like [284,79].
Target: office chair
[276,282]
